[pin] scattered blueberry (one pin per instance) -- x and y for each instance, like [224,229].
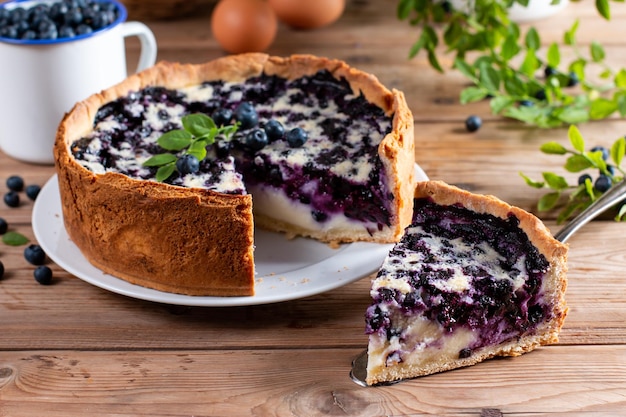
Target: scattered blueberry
[605,151]
[1,269]
[12,199]
[541,95]
[32,191]
[222,117]
[43,275]
[35,255]
[256,139]
[572,79]
[4,226]
[473,123]
[15,183]
[246,115]
[610,169]
[274,130]
[296,137]
[549,71]
[187,164]
[603,183]
[583,178]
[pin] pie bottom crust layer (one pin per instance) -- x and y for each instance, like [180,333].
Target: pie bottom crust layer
[195,241]
[554,287]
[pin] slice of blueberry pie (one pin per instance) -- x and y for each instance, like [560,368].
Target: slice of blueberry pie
[157,175]
[472,278]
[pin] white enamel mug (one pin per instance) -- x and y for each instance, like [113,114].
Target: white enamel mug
[41,80]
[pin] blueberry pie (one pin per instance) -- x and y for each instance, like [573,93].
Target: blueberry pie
[471,278]
[323,150]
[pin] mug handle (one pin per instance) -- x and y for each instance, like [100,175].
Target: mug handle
[148,43]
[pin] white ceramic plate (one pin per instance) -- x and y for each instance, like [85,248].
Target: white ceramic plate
[286,269]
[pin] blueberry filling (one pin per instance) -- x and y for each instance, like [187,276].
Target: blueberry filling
[311,137]
[463,270]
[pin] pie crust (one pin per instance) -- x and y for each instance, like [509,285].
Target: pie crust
[196,241]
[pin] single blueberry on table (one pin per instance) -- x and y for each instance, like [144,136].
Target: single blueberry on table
[1,269]
[297,137]
[256,139]
[43,275]
[12,199]
[187,164]
[246,115]
[32,191]
[35,255]
[603,183]
[15,183]
[473,123]
[4,226]
[274,130]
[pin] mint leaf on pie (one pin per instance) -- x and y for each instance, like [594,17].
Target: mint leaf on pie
[198,132]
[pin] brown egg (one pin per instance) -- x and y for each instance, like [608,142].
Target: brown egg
[244,25]
[308,14]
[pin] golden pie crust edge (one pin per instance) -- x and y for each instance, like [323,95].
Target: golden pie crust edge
[193,241]
[556,280]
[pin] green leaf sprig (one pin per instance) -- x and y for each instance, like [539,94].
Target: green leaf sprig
[506,64]
[198,132]
[581,195]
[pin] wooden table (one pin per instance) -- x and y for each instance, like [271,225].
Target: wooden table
[72,349]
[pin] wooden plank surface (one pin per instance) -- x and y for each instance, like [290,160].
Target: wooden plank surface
[304,382]
[71,349]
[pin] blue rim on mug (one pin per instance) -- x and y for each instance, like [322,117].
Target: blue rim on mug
[121,17]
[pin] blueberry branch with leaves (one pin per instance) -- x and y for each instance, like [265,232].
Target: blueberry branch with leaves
[605,162]
[189,143]
[506,65]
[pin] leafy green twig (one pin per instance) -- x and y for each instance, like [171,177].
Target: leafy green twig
[507,68]
[605,162]
[198,132]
